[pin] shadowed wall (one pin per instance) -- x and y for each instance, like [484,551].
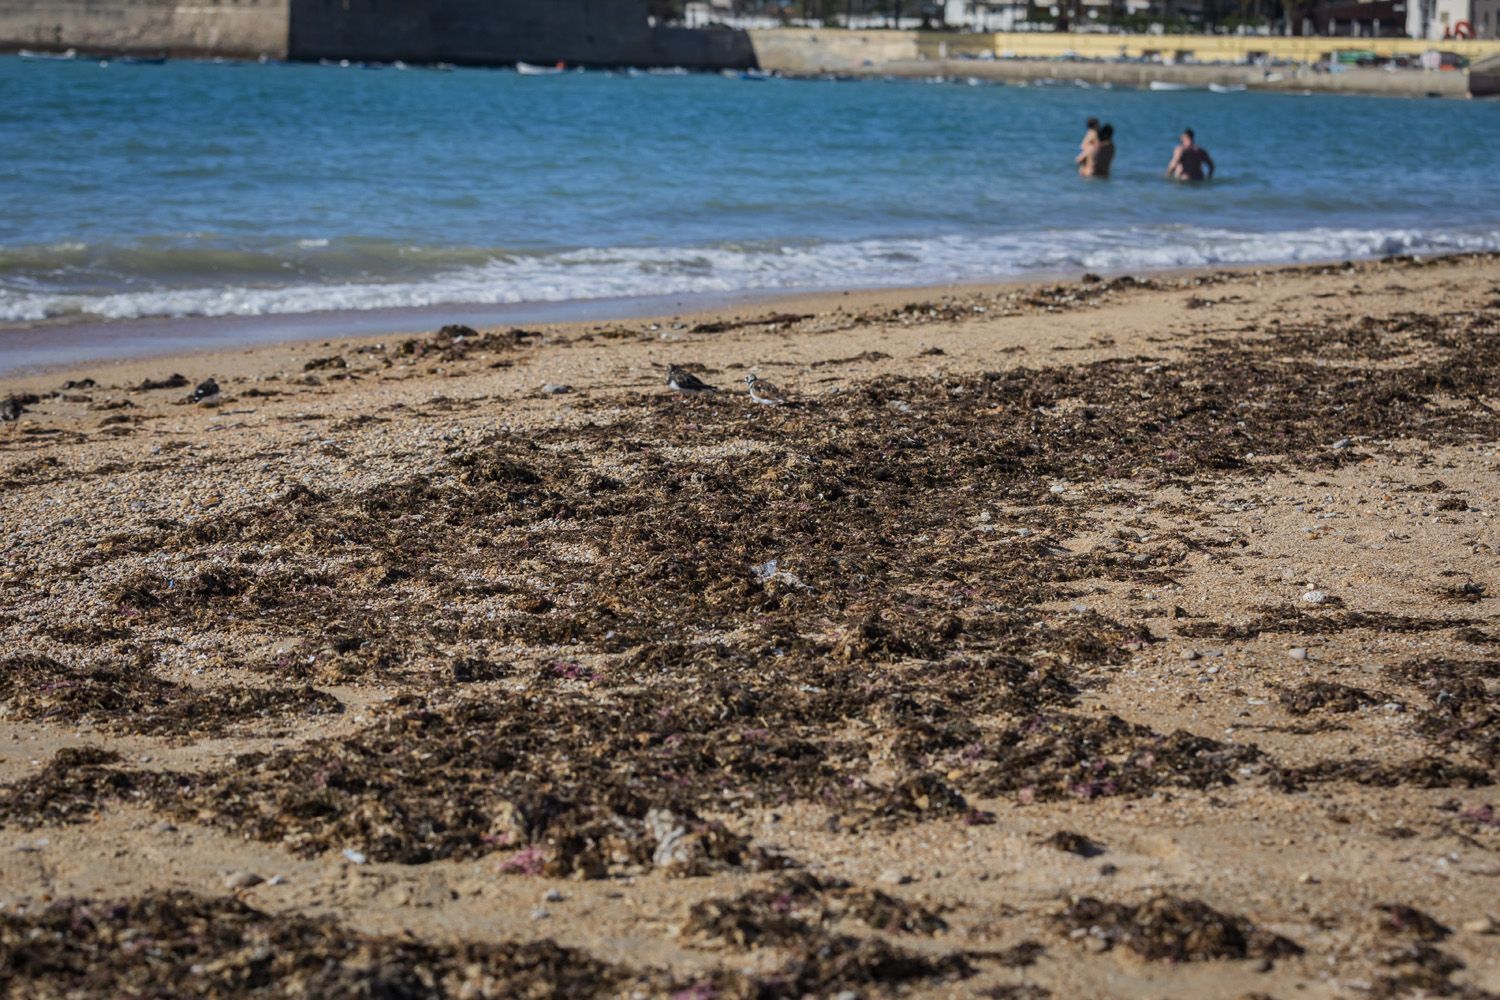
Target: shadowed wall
[591,32]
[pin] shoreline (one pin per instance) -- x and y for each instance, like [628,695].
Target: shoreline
[52,350]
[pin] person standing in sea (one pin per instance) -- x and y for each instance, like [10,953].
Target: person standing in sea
[1095,161]
[1090,140]
[1189,159]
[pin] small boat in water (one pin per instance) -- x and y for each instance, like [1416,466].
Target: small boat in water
[69,55]
[1167,85]
[531,69]
[1228,88]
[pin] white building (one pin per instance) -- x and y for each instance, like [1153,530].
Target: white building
[703,13]
[1010,15]
[1439,19]
[984,15]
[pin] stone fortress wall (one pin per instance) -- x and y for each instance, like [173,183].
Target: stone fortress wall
[482,32]
[236,28]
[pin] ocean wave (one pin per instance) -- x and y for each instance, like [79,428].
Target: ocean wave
[359,275]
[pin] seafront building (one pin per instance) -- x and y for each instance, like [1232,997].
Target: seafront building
[1419,19]
[1450,19]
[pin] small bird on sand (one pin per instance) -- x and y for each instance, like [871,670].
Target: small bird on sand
[682,380]
[10,412]
[206,393]
[764,392]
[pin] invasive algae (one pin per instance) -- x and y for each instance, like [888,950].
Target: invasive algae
[75,786]
[798,914]
[1328,696]
[1172,929]
[799,906]
[222,949]
[1462,711]
[683,534]
[1055,755]
[130,699]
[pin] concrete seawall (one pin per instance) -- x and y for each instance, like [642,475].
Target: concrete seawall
[1291,79]
[802,52]
[1484,78]
[790,50]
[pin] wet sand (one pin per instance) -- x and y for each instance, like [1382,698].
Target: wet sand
[57,345]
[1109,638]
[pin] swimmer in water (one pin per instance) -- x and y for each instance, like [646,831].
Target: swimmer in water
[1189,159]
[1095,162]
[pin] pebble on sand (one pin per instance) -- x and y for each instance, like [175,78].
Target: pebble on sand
[1314,597]
[242,880]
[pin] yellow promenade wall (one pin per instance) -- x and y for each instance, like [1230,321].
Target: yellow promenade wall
[1204,48]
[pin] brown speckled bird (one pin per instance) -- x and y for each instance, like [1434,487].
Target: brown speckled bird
[764,392]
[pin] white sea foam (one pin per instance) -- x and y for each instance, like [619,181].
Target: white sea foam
[639,271]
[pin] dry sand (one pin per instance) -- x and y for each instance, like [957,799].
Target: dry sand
[1106,639]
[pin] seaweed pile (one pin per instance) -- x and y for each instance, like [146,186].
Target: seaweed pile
[127,698]
[1172,929]
[797,907]
[224,950]
[797,915]
[1463,708]
[859,584]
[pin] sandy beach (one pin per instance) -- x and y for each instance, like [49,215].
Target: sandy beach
[1117,637]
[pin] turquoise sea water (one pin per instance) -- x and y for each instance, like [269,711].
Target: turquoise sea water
[214,190]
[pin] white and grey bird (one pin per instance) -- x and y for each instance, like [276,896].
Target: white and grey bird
[764,392]
[206,393]
[10,412]
[682,380]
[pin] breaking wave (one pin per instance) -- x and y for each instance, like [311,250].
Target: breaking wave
[159,279]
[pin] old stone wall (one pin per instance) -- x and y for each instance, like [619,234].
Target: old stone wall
[702,48]
[246,29]
[800,50]
[481,32]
